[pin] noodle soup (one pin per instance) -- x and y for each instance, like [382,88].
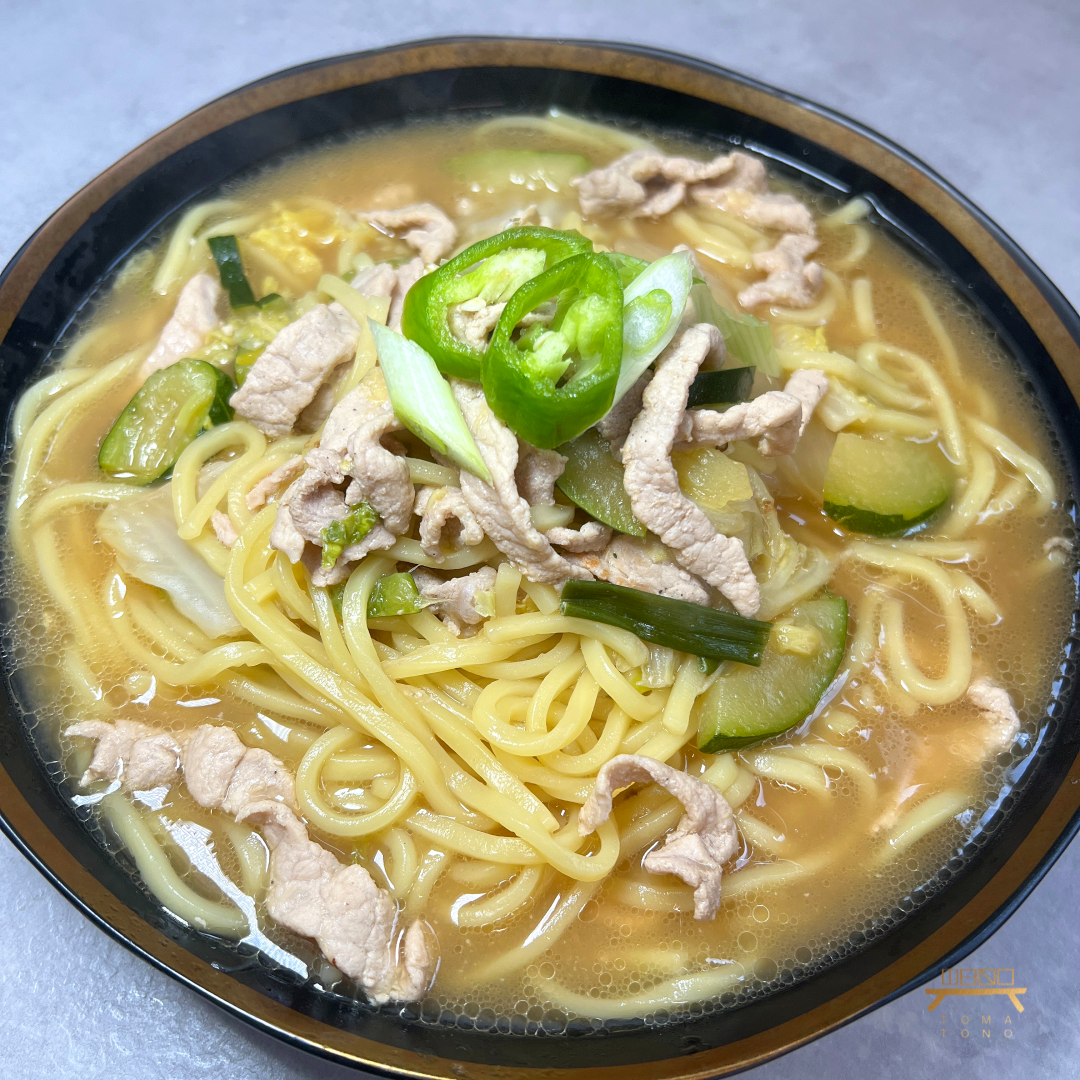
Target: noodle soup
[443,694]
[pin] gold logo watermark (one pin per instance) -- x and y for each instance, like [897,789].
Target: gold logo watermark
[977,982]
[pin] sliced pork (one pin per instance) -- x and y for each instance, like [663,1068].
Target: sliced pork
[351,919]
[136,755]
[791,279]
[626,561]
[705,838]
[202,306]
[444,513]
[455,598]
[653,485]
[424,227]
[287,376]
[501,511]
[996,706]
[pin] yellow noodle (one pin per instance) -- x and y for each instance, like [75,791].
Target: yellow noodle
[862,300]
[869,356]
[161,877]
[501,905]
[1030,466]
[924,818]
[958,666]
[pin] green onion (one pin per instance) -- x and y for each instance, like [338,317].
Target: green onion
[652,309]
[226,252]
[678,624]
[350,529]
[423,402]
[395,594]
[721,387]
[749,340]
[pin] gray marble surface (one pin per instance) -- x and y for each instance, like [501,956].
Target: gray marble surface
[986,92]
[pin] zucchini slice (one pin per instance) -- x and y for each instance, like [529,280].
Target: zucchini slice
[171,408]
[748,704]
[593,480]
[885,486]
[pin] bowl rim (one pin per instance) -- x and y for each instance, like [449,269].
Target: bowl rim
[1038,301]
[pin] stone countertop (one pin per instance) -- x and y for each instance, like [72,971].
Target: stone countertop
[986,93]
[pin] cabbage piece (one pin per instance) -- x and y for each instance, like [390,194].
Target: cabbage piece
[142,532]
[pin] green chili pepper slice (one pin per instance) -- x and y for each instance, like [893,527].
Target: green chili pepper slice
[492,270]
[534,384]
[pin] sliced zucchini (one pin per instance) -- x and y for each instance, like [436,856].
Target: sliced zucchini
[749,704]
[171,408]
[395,594]
[885,486]
[593,480]
[535,170]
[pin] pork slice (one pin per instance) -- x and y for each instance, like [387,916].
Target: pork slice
[269,486]
[776,418]
[223,528]
[644,183]
[427,230]
[210,758]
[440,509]
[791,279]
[314,500]
[375,281]
[286,377]
[126,750]
[592,536]
[341,907]
[744,191]
[351,919]
[379,476]
[223,774]
[626,561]
[536,473]
[809,386]
[202,306]
[996,706]
[350,448]
[455,598]
[652,484]
[502,513]
[473,320]
[704,839]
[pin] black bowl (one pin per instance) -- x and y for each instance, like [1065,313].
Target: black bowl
[60,271]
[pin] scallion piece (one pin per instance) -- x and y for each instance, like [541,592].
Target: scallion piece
[652,308]
[423,402]
[226,252]
[749,340]
[678,624]
[721,387]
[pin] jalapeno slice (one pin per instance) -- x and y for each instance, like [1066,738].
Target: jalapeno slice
[490,270]
[551,383]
